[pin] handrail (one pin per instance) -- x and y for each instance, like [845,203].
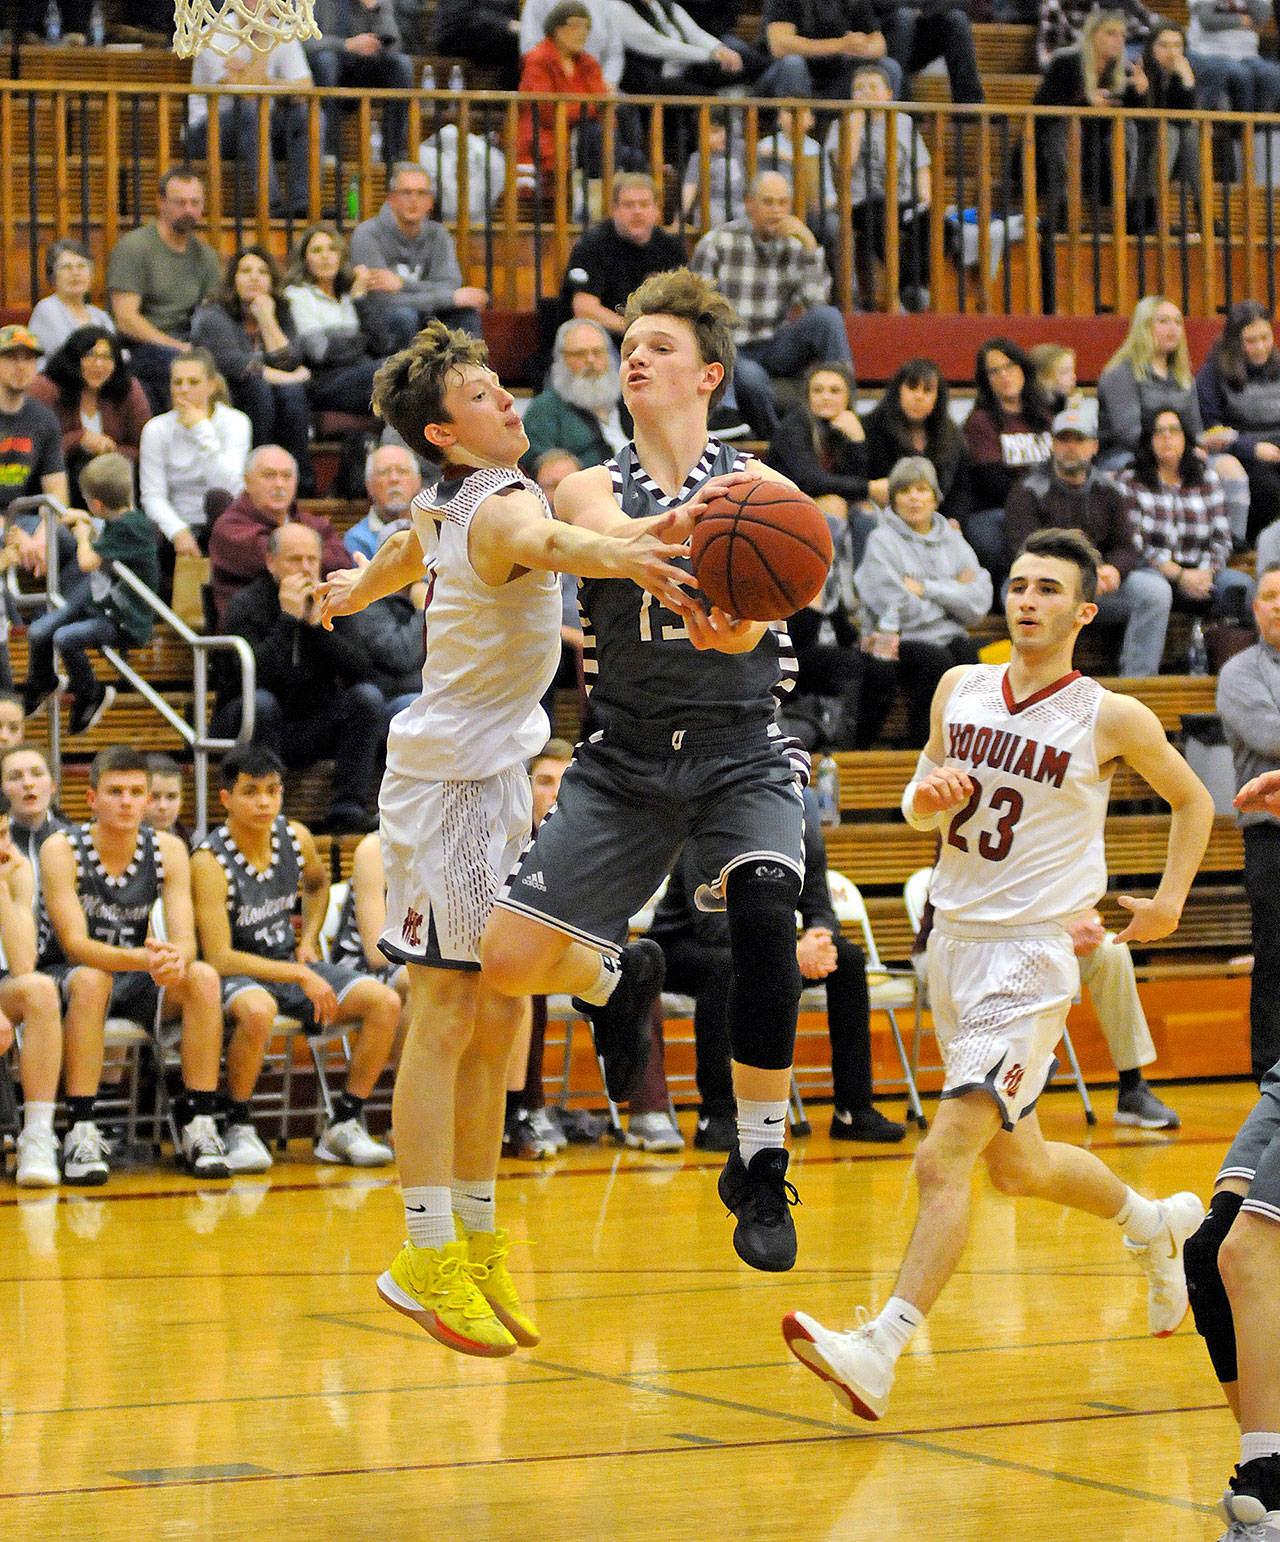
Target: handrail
[46,505]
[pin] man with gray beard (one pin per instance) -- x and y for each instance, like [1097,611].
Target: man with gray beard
[580,411]
[392,480]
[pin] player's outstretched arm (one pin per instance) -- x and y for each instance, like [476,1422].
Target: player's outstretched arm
[1260,795]
[936,789]
[396,564]
[586,499]
[1128,730]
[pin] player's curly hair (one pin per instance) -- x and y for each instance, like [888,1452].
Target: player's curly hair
[408,390]
[683,293]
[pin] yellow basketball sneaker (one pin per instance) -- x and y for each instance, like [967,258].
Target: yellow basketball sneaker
[487,1265]
[435,1287]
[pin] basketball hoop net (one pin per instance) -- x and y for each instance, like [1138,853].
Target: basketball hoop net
[226,25]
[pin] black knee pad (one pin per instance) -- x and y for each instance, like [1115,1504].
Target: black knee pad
[761,896]
[1209,1303]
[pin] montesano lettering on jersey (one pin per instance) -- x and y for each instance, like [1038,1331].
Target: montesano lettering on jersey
[1005,751]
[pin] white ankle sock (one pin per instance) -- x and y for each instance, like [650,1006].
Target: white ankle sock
[38,1116]
[897,1321]
[761,1126]
[1139,1219]
[473,1202]
[428,1217]
[603,986]
[1259,1443]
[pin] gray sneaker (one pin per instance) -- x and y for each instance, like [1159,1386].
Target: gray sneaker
[654,1132]
[1248,1519]
[1144,1110]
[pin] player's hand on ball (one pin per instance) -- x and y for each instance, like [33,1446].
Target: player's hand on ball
[1261,795]
[1152,919]
[714,630]
[687,514]
[333,597]
[945,788]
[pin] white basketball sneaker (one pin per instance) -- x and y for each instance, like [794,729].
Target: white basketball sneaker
[856,1368]
[1161,1261]
[1248,1519]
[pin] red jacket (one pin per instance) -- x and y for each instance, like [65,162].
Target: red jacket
[544,71]
[238,547]
[121,421]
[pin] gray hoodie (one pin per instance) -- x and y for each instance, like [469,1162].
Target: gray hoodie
[427,262]
[948,607]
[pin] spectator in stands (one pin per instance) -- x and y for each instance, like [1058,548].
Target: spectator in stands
[1238,387]
[280,67]
[604,40]
[580,408]
[1223,38]
[247,326]
[106,613]
[1062,24]
[100,884]
[192,455]
[669,54]
[156,276]
[69,268]
[393,481]
[821,445]
[919,31]
[390,631]
[1171,86]
[30,434]
[615,256]
[771,269]
[913,417]
[248,876]
[726,176]
[326,296]
[100,406]
[819,44]
[1177,510]
[360,45]
[1055,367]
[778,152]
[695,944]
[561,65]
[166,786]
[920,581]
[314,698]
[486,171]
[238,542]
[11,720]
[484,32]
[1070,493]
[413,267]
[868,129]
[1005,435]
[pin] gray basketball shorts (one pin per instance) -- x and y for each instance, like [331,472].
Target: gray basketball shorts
[134,994]
[1255,1152]
[622,819]
[291,1000]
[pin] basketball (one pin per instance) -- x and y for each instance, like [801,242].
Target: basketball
[761,551]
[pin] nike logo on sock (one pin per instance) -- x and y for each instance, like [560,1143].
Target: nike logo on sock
[778,1120]
[416,1209]
[479,1199]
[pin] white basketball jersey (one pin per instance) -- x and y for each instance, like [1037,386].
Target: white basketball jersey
[1028,846]
[491,651]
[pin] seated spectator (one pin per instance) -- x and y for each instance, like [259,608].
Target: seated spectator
[920,582]
[30,1001]
[777,152]
[156,277]
[106,612]
[819,44]
[919,31]
[1070,493]
[1171,86]
[191,454]
[324,295]
[281,66]
[238,541]
[1061,25]
[11,720]
[913,417]
[486,34]
[165,790]
[615,256]
[100,405]
[821,446]
[771,269]
[1176,507]
[1223,38]
[1055,369]
[247,326]
[1238,387]
[393,481]
[101,882]
[249,874]
[868,129]
[1005,435]
[695,944]
[726,176]
[580,408]
[390,631]
[360,46]
[314,698]
[561,65]
[69,268]
[363,919]
[413,267]
[669,54]
[604,41]
[486,172]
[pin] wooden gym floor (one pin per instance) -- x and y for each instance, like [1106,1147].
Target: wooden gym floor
[181,1363]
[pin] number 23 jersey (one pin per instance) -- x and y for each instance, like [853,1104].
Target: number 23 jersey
[1028,846]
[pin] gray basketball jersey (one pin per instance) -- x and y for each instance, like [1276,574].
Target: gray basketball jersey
[637,658]
[260,905]
[29,841]
[117,910]
[346,948]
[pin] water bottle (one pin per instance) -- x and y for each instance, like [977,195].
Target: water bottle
[884,640]
[353,202]
[97,25]
[457,82]
[826,786]
[1197,653]
[428,78]
[375,143]
[52,22]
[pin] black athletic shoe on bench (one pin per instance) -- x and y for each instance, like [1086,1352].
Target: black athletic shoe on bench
[621,1025]
[759,1195]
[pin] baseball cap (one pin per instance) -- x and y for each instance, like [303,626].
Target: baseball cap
[1082,420]
[13,338]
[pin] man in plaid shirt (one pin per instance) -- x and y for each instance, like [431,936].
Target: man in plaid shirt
[1178,512]
[770,268]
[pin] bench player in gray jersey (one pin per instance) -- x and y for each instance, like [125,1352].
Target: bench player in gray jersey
[101,881]
[689,755]
[1233,1278]
[247,875]
[363,918]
